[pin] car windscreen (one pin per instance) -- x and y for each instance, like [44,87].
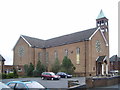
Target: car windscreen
[34,85]
[52,74]
[2,86]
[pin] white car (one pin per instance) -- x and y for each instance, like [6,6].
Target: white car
[114,72]
[4,86]
[26,85]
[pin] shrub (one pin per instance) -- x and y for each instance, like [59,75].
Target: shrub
[10,75]
[39,69]
[15,73]
[30,70]
[26,69]
[56,66]
[67,66]
[3,76]
[36,73]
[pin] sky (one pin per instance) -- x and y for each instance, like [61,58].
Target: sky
[45,19]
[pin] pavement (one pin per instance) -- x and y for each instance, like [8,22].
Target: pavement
[112,87]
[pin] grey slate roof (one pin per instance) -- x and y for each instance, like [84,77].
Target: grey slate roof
[70,38]
[114,58]
[34,42]
[1,58]
[62,40]
[101,58]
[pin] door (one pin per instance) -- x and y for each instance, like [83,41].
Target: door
[98,68]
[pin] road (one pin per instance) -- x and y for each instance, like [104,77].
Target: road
[62,83]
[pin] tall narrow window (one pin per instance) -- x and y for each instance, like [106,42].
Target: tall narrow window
[56,54]
[40,56]
[77,55]
[47,57]
[66,52]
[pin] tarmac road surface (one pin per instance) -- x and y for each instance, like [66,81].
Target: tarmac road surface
[62,83]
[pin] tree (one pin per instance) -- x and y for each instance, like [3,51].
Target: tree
[35,73]
[56,66]
[43,68]
[15,73]
[39,69]
[30,70]
[38,66]
[26,69]
[67,65]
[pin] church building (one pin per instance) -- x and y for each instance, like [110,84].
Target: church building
[87,49]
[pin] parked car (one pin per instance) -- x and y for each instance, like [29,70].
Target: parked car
[49,75]
[64,75]
[25,85]
[4,86]
[114,72]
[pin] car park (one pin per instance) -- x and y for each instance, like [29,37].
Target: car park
[4,86]
[64,75]
[25,85]
[49,75]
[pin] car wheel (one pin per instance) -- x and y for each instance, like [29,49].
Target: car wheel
[51,78]
[42,78]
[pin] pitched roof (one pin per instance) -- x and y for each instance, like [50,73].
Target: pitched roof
[114,58]
[34,42]
[1,58]
[70,38]
[62,40]
[101,58]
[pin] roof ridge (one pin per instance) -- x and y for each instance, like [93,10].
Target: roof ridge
[2,58]
[71,33]
[32,37]
[60,40]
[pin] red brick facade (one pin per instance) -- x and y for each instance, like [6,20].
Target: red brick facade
[115,63]
[96,45]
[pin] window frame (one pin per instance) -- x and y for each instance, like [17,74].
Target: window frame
[77,55]
[40,56]
[55,54]
[66,52]
[47,57]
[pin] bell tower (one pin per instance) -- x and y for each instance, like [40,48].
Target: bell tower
[102,22]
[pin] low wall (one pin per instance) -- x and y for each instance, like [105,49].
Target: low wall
[102,81]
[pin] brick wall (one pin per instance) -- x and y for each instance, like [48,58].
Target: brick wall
[101,82]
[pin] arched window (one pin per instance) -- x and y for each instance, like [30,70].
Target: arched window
[98,23]
[102,22]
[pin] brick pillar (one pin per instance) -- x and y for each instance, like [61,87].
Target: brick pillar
[107,69]
[103,69]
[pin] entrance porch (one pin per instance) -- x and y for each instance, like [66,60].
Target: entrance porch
[102,65]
